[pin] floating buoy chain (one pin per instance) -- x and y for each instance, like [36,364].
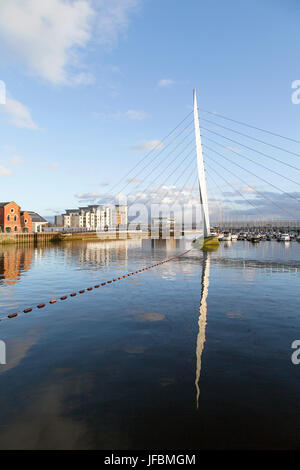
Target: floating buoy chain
[96,286]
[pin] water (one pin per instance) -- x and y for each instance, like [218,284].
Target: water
[138,364]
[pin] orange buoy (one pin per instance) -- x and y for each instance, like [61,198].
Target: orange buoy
[96,286]
[12,315]
[27,310]
[53,301]
[41,305]
[103,284]
[73,294]
[81,291]
[63,297]
[109,282]
[89,288]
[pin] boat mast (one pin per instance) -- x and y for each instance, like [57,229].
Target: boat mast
[201,173]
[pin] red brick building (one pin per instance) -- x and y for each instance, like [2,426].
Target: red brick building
[13,220]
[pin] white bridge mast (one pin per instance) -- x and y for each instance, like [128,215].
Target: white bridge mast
[201,173]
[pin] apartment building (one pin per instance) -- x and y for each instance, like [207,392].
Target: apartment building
[121,215]
[94,217]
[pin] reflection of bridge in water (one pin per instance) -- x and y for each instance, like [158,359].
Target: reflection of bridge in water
[222,262]
[202,321]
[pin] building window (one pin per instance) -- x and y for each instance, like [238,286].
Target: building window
[25,221]
[12,211]
[15,218]
[8,217]
[25,230]
[16,228]
[7,229]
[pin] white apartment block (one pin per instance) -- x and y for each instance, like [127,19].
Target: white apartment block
[95,217]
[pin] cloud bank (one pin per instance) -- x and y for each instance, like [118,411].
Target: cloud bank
[49,36]
[19,115]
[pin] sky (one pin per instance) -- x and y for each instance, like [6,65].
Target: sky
[91,86]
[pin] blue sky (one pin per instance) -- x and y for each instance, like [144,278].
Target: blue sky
[91,85]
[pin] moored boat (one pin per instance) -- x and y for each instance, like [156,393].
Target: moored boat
[284,237]
[227,237]
[255,239]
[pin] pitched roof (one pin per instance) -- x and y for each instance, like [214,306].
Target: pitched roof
[36,217]
[2,204]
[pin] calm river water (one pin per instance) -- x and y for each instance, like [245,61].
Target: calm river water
[193,354]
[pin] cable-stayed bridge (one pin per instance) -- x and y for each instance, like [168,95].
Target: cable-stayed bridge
[245,175]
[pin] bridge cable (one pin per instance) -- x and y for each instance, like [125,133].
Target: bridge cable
[259,177]
[156,156]
[251,148]
[249,125]
[235,190]
[234,206]
[172,161]
[247,158]
[157,147]
[252,187]
[166,180]
[251,137]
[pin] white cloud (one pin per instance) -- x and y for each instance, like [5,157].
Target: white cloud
[5,171]
[167,194]
[15,160]
[134,180]
[113,18]
[83,78]
[134,115]
[47,35]
[131,114]
[19,114]
[104,182]
[53,166]
[89,196]
[165,82]
[149,145]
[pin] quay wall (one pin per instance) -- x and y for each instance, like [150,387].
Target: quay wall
[55,237]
